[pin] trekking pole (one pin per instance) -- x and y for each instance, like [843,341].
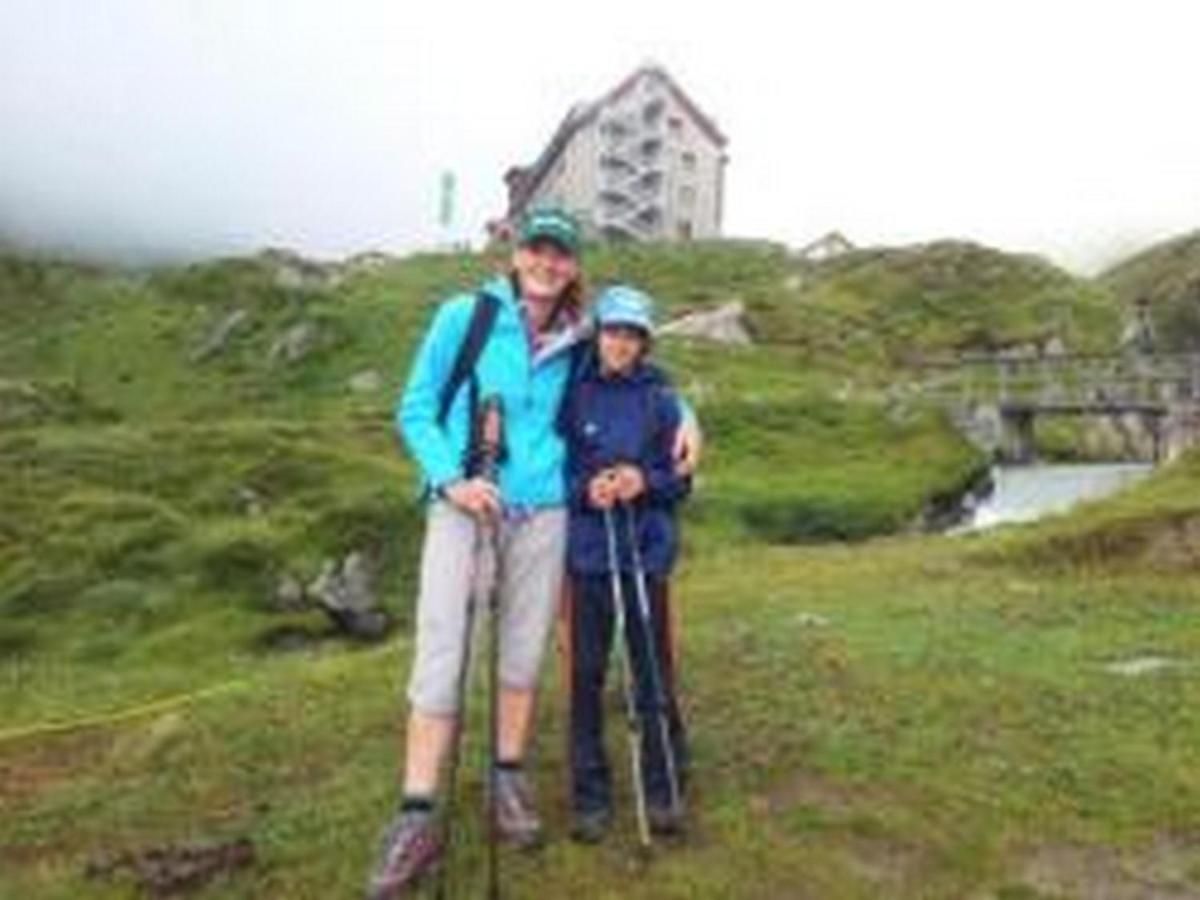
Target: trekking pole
[492,439]
[632,719]
[488,437]
[656,675]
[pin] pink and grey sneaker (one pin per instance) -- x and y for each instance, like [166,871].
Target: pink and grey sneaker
[410,849]
[516,812]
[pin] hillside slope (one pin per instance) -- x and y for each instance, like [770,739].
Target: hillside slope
[1167,276]
[906,717]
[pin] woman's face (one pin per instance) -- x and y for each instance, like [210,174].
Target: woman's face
[620,347]
[544,269]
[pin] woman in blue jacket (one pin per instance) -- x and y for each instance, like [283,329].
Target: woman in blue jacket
[525,361]
[619,422]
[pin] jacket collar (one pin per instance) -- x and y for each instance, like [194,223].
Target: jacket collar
[643,372]
[501,287]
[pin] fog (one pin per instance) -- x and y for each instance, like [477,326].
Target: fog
[165,129]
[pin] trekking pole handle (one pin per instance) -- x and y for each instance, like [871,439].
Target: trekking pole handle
[491,436]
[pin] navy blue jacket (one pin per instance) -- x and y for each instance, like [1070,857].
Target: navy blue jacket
[608,420]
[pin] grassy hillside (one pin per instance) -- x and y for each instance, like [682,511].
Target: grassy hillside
[904,717]
[128,342]
[157,493]
[898,305]
[1168,276]
[908,718]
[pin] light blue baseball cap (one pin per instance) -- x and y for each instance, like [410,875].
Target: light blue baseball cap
[624,305]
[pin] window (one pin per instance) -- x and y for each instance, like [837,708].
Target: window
[675,126]
[614,130]
[687,196]
[688,159]
[684,229]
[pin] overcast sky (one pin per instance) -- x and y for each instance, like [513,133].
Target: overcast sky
[196,127]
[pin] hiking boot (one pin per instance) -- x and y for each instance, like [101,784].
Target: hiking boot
[664,821]
[410,849]
[591,827]
[516,814]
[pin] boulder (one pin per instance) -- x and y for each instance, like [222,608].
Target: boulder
[292,272]
[370,261]
[346,593]
[367,382]
[289,594]
[250,502]
[725,325]
[295,343]
[219,337]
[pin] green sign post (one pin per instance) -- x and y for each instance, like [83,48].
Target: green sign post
[446,205]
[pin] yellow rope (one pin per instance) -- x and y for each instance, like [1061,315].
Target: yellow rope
[133,712]
[46,728]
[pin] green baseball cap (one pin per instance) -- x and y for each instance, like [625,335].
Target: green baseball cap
[552,224]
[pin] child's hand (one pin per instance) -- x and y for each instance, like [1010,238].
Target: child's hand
[630,482]
[602,490]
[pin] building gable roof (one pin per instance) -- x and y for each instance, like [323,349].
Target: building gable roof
[582,114]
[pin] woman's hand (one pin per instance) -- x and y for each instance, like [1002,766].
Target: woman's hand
[686,449]
[474,496]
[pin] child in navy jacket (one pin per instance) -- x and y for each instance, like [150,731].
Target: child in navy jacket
[618,419]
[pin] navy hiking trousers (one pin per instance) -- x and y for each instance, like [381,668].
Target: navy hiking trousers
[592,621]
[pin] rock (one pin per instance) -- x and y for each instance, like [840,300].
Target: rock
[1019,352]
[295,273]
[250,502]
[346,593]
[1137,333]
[1055,347]
[811,620]
[295,343]
[169,870]
[828,246]
[1141,665]
[724,325]
[982,425]
[289,594]
[366,382]
[219,337]
[370,261]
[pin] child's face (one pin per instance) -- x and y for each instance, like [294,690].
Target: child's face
[620,347]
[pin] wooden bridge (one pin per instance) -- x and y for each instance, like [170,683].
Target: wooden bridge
[1153,388]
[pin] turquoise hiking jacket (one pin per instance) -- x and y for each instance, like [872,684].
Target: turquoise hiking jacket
[532,471]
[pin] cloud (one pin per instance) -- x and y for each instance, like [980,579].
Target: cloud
[152,128]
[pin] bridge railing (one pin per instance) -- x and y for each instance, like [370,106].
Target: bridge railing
[1072,379]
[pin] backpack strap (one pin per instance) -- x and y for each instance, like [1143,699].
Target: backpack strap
[483,317]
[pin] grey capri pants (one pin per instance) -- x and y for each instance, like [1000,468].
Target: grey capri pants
[533,550]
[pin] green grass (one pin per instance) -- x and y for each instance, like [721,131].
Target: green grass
[1167,277]
[874,713]
[946,721]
